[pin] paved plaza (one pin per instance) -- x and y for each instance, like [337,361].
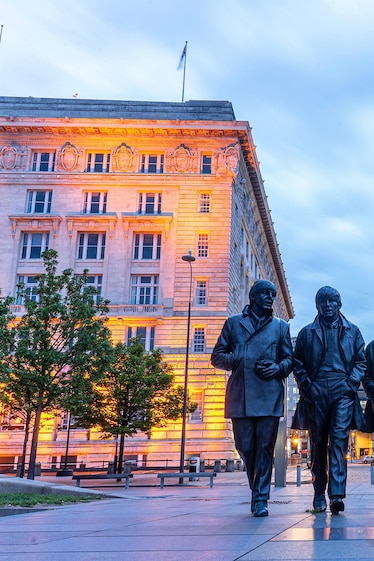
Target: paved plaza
[194,522]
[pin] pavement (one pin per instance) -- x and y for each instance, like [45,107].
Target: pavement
[193,522]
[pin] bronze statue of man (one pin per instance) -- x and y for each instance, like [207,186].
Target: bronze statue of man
[368,384]
[256,347]
[329,364]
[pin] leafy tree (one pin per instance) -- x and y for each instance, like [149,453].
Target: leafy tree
[137,394]
[61,343]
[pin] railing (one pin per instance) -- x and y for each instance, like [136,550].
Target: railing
[124,309]
[137,309]
[136,465]
[17,309]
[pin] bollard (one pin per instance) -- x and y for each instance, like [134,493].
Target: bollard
[372,472]
[217,466]
[298,475]
[229,465]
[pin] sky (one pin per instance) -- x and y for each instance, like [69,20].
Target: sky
[300,72]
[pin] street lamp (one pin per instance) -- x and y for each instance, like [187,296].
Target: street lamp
[189,258]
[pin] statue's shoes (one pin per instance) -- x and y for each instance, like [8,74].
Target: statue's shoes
[336,506]
[261,509]
[319,503]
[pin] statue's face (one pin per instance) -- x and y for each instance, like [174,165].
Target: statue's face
[328,308]
[262,301]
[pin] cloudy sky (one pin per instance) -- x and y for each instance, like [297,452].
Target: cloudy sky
[301,73]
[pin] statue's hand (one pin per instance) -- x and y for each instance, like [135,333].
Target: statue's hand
[267,369]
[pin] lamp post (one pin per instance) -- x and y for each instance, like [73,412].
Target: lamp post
[353,446]
[189,258]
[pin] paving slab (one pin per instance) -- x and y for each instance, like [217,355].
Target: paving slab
[195,522]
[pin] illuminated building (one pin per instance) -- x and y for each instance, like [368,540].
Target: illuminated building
[125,189]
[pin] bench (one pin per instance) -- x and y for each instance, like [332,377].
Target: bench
[191,475]
[105,476]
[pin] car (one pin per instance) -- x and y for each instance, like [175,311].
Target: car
[367,459]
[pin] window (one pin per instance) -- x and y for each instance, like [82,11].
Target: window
[28,289]
[67,420]
[206,163]
[33,245]
[149,203]
[198,399]
[95,281]
[144,289]
[43,161]
[152,163]
[39,202]
[98,163]
[94,203]
[201,293]
[199,340]
[204,202]
[91,246]
[147,246]
[202,245]
[146,334]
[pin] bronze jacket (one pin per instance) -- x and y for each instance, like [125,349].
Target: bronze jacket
[310,351]
[238,348]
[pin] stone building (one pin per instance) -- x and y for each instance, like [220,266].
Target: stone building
[125,189]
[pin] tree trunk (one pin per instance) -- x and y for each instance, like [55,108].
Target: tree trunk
[120,455]
[24,448]
[34,443]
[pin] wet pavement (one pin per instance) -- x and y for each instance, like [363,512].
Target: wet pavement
[194,522]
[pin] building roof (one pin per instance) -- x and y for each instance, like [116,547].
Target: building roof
[90,108]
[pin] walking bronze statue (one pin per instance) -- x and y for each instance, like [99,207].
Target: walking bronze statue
[256,347]
[368,384]
[329,364]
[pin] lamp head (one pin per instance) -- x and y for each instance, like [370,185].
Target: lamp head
[189,257]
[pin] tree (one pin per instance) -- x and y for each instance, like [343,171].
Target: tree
[58,345]
[136,394]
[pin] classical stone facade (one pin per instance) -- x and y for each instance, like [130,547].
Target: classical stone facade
[125,189]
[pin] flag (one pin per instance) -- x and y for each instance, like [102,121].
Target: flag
[183,56]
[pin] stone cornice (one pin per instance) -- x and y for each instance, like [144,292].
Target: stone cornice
[35,222]
[145,129]
[144,222]
[91,221]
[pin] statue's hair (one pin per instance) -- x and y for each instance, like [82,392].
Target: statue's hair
[328,292]
[261,285]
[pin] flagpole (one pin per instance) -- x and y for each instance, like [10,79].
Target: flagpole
[1,31]
[184,70]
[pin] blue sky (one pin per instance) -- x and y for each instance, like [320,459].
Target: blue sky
[301,73]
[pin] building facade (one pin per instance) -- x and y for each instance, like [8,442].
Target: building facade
[125,189]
